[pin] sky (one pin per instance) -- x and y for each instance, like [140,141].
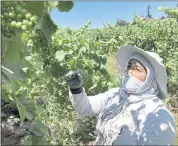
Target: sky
[105,12]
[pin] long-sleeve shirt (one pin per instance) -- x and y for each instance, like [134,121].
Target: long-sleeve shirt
[145,123]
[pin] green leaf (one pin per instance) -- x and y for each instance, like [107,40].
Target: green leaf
[40,110]
[36,140]
[29,105]
[58,70]
[12,72]
[4,77]
[13,49]
[65,6]
[21,109]
[38,129]
[60,55]
[47,26]
[71,130]
[50,88]
[35,7]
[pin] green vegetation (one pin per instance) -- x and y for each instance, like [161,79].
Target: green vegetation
[36,54]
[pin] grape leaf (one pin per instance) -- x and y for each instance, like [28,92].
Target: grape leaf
[13,49]
[38,129]
[4,77]
[36,140]
[65,6]
[60,55]
[47,26]
[35,7]
[12,72]
[26,107]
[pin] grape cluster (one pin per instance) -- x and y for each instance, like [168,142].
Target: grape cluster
[15,18]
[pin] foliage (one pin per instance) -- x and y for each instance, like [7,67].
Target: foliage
[35,60]
[21,74]
[157,35]
[121,23]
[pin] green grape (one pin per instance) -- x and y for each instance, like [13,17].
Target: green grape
[28,16]
[18,8]
[13,23]
[33,19]
[6,15]
[19,16]
[30,24]
[25,22]
[24,11]
[19,24]
[12,14]
[24,27]
[9,20]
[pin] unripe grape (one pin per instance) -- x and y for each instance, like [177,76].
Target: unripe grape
[24,27]
[24,11]
[11,14]
[18,8]
[33,19]
[30,24]
[19,24]
[6,15]
[13,23]
[19,16]
[25,22]
[28,16]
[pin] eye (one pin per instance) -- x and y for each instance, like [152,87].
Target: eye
[138,69]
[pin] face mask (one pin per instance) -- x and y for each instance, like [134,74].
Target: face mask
[131,84]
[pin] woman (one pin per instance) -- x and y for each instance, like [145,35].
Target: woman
[133,114]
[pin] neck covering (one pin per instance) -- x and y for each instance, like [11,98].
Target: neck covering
[117,104]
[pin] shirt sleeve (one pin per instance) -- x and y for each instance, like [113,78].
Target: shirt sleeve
[91,105]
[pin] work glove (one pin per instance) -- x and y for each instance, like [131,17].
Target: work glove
[74,79]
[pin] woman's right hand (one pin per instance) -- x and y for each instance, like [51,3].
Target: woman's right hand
[73,79]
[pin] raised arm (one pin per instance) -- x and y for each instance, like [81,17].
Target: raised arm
[86,105]
[90,105]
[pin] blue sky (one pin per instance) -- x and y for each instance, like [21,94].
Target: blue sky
[104,12]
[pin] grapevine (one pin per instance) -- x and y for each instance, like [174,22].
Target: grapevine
[36,53]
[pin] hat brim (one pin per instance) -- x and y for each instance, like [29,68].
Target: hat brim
[126,52]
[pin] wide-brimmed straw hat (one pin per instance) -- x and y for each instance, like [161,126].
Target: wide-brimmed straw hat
[126,52]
